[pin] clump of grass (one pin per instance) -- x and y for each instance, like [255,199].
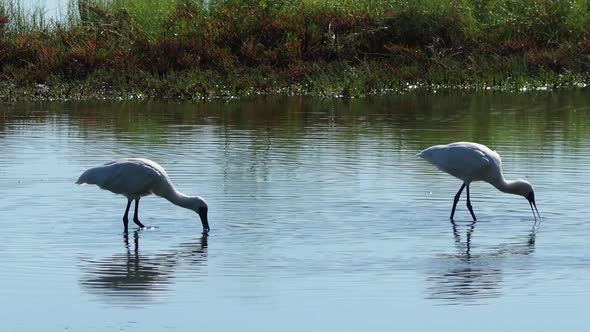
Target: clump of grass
[150,15]
[540,22]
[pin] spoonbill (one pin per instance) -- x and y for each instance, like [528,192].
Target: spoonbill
[138,177]
[476,162]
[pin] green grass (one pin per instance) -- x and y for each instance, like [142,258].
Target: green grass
[195,49]
[150,15]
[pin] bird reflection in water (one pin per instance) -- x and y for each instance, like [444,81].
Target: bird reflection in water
[137,277]
[467,277]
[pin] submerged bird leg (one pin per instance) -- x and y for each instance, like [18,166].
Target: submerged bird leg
[457,196]
[125,216]
[469,205]
[136,215]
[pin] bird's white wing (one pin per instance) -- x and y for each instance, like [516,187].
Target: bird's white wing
[465,161]
[124,177]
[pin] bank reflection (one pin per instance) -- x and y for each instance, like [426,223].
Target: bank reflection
[472,275]
[136,277]
[414,119]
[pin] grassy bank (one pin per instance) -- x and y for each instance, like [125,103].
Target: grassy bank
[201,49]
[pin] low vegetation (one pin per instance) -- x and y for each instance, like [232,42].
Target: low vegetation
[226,48]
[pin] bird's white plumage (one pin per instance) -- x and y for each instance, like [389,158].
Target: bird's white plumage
[131,177]
[466,161]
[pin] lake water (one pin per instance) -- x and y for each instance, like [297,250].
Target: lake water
[322,217]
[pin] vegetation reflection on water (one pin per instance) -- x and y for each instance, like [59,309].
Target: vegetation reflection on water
[537,118]
[315,203]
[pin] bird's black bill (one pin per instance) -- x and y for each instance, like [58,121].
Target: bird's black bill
[531,198]
[204,220]
[533,205]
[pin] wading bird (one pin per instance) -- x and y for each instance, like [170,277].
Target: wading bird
[476,162]
[137,177]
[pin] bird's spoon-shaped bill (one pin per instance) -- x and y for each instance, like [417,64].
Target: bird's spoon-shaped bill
[533,205]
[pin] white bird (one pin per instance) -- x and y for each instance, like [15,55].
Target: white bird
[138,177]
[476,162]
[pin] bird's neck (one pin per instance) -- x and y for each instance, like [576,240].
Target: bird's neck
[506,186]
[177,198]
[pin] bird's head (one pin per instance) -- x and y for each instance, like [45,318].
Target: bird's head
[199,205]
[521,187]
[525,189]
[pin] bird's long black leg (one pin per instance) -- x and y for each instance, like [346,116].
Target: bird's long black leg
[125,216]
[136,215]
[469,205]
[457,196]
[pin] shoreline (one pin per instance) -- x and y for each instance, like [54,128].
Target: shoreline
[170,89]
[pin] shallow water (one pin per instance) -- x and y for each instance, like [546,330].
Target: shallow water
[322,216]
